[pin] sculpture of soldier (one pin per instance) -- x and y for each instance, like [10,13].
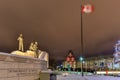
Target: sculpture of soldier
[31,46]
[20,39]
[35,46]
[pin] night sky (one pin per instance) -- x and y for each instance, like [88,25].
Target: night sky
[55,24]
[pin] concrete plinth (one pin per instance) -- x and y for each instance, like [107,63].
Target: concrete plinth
[14,67]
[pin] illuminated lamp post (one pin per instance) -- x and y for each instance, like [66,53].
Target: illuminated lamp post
[81,60]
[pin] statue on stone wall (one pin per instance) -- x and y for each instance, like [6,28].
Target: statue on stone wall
[31,46]
[20,39]
[35,46]
[33,51]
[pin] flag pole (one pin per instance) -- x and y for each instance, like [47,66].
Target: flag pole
[82,50]
[86,9]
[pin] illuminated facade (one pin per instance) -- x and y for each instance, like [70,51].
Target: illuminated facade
[109,62]
[70,61]
[99,63]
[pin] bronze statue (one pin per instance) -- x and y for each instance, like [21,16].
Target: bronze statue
[20,39]
[35,46]
[31,46]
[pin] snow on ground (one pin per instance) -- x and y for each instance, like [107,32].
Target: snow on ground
[92,77]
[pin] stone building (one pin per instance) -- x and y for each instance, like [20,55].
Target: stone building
[70,62]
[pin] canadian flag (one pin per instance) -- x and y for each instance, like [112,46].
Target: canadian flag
[87,8]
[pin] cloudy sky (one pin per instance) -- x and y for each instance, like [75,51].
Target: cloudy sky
[55,24]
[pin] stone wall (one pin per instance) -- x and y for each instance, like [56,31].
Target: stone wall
[14,67]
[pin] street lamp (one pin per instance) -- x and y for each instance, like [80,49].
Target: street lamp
[81,60]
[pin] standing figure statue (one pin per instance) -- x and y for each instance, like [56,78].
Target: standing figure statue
[20,39]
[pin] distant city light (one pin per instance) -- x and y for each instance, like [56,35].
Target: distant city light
[83,61]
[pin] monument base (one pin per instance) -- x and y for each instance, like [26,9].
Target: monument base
[15,67]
